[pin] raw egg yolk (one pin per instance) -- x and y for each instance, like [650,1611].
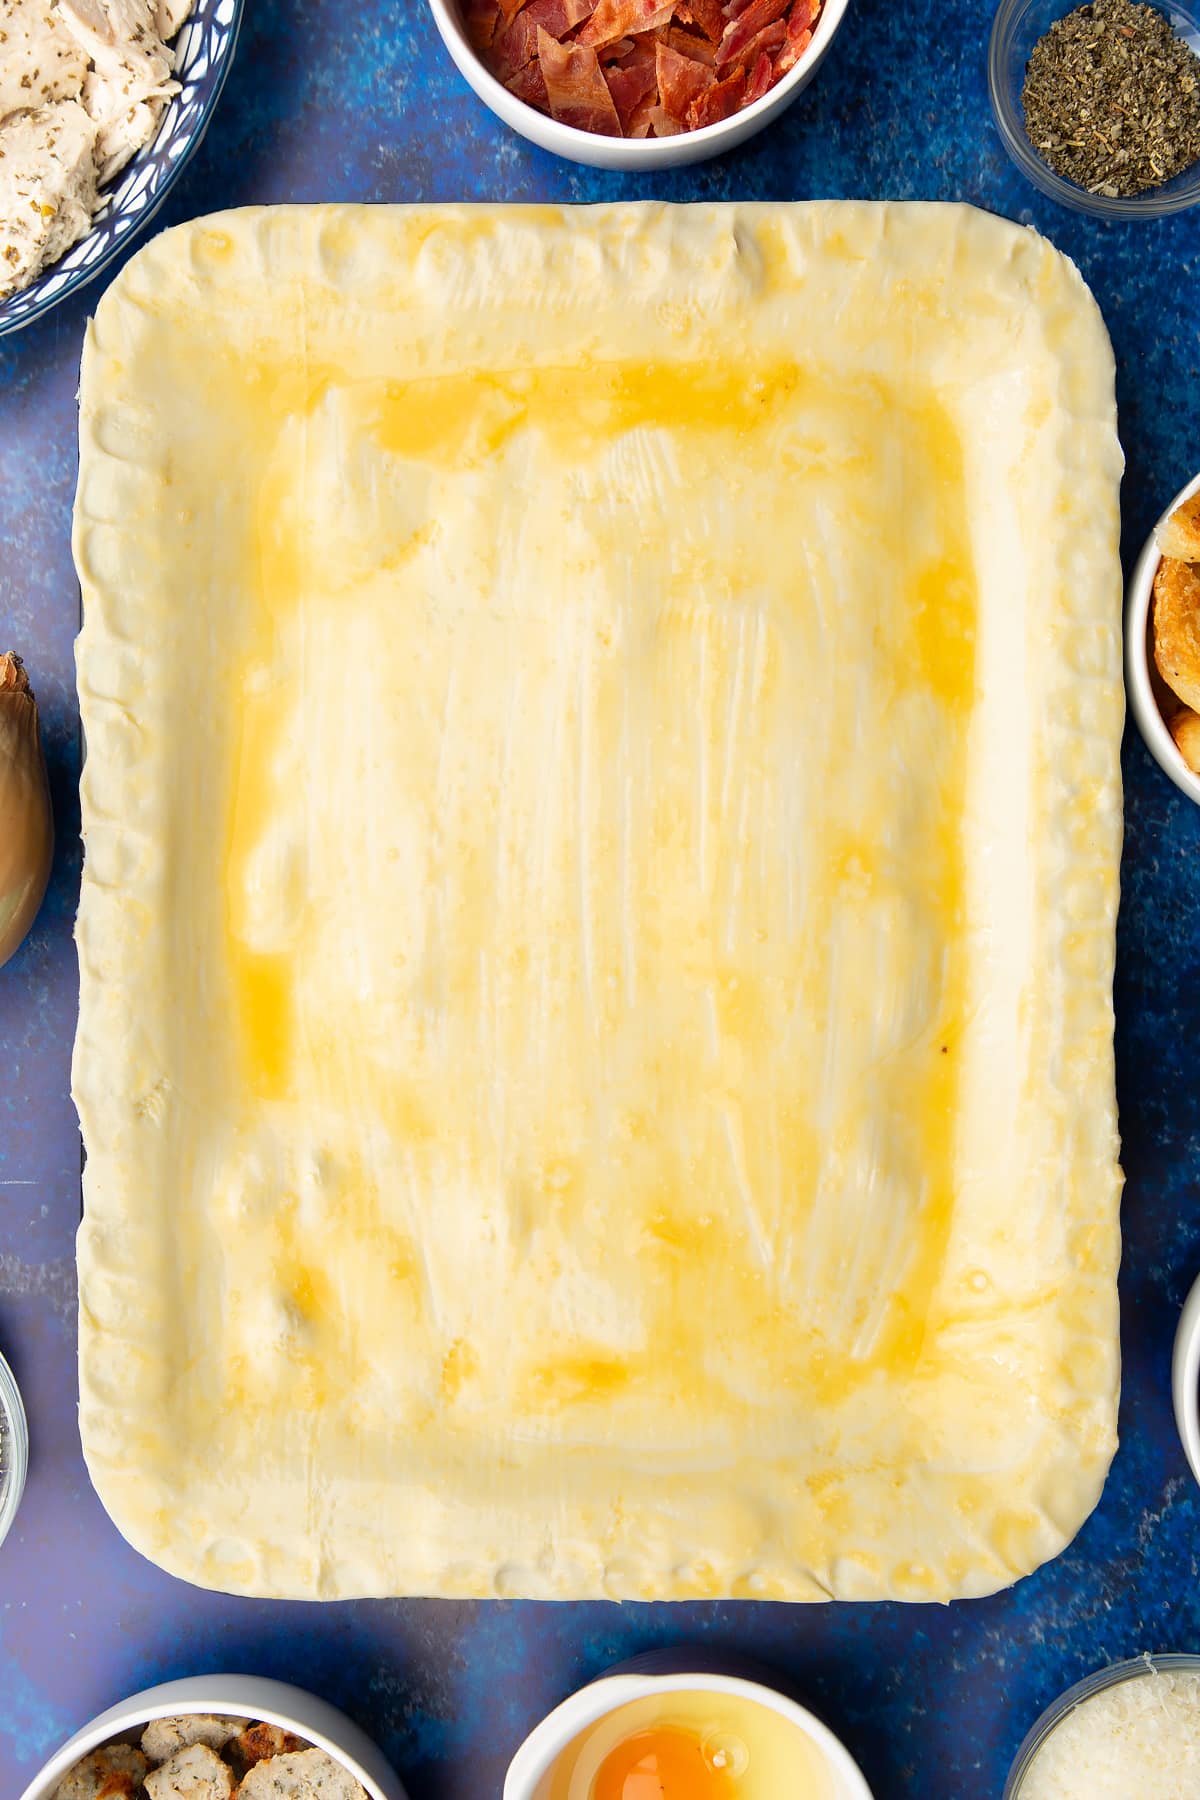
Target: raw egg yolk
[661,1764]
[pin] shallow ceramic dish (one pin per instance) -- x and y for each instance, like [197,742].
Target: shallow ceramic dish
[666,1673]
[237,1696]
[633,153]
[1131,1670]
[204,52]
[1138,659]
[1017,27]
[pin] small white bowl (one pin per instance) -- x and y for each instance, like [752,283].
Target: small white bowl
[234,1696]
[633,153]
[1185,1378]
[12,1478]
[535,1760]
[1151,723]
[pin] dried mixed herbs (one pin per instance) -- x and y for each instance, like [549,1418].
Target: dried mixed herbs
[1112,98]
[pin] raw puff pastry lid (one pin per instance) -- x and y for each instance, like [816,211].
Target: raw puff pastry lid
[266,1438]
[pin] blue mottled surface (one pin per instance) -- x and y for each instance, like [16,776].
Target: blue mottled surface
[359,102]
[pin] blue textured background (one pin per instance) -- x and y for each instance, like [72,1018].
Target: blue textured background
[360,102]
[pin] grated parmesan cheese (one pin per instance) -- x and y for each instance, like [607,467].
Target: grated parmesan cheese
[1136,1740]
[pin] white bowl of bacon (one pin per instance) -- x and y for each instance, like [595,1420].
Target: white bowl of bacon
[638,84]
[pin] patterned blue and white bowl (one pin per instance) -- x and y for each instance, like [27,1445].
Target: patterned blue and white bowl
[204,52]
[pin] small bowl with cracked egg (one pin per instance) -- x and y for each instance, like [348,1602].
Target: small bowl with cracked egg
[102,102]
[669,1723]
[1162,641]
[218,1737]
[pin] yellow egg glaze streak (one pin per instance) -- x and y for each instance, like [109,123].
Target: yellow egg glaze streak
[710,420]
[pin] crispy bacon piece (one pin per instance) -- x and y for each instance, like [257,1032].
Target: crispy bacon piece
[688,43]
[770,39]
[617,52]
[799,36]
[509,9]
[761,77]
[718,101]
[624,18]
[639,50]
[706,15]
[480,20]
[791,53]
[741,32]
[662,124]
[680,81]
[515,45]
[529,85]
[558,17]
[575,86]
[641,124]
[633,83]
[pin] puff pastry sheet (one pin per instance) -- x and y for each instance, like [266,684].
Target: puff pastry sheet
[602,821]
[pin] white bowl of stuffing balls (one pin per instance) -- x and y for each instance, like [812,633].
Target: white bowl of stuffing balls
[219,1737]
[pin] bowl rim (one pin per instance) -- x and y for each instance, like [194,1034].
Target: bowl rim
[1185,1378]
[80,278]
[1131,1668]
[547,1741]
[13,1407]
[632,153]
[1151,724]
[1153,204]
[275,1702]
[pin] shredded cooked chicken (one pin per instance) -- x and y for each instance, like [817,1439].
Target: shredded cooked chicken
[83,84]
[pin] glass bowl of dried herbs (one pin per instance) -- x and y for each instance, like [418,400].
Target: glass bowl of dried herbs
[1099,104]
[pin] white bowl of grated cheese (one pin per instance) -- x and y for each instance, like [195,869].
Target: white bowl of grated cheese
[1128,1732]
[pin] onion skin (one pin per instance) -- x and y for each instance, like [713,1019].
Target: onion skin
[26,820]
